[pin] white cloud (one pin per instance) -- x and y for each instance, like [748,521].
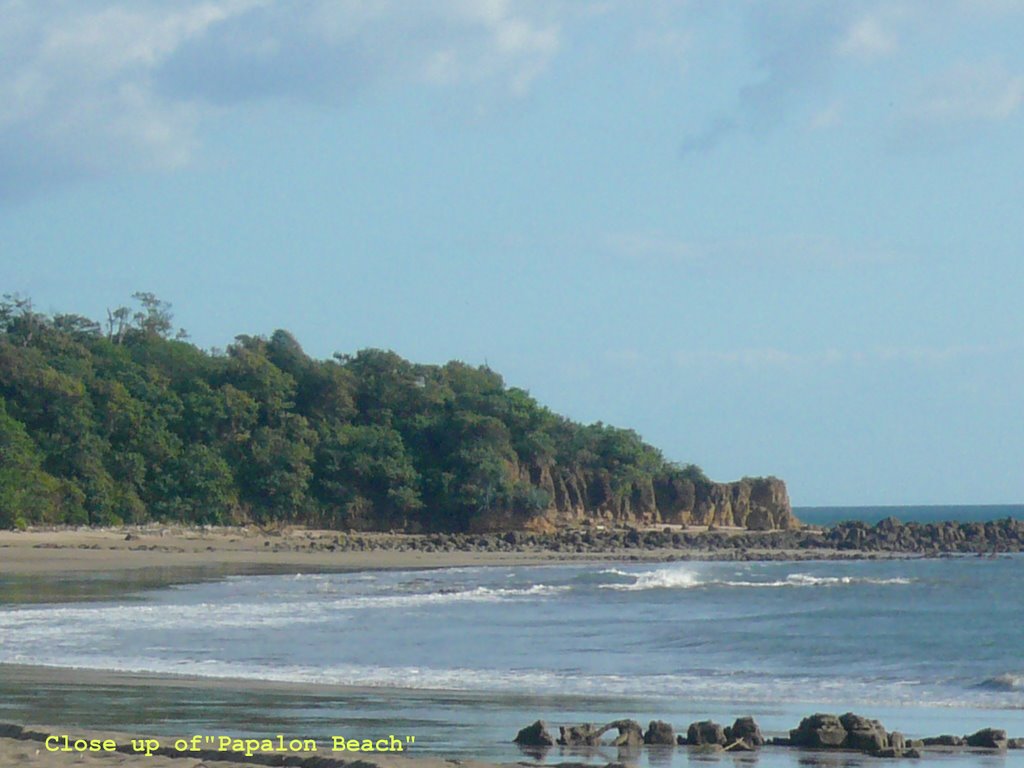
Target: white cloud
[96,85]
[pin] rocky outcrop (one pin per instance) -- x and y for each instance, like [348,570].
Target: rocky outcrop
[630,733]
[989,738]
[535,735]
[705,732]
[867,735]
[818,731]
[745,729]
[576,495]
[849,732]
[660,732]
[892,535]
[943,741]
[583,735]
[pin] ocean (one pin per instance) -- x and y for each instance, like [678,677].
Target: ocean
[461,658]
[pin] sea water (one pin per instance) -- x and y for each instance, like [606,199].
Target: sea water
[461,658]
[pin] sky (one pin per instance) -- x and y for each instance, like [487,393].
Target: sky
[773,238]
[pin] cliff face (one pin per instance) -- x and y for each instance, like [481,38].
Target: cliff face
[576,495]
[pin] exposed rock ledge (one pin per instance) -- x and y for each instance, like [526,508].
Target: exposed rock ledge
[753,503]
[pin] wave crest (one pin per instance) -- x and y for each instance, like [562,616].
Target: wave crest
[1008,681]
[677,578]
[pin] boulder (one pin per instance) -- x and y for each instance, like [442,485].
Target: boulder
[913,753]
[745,728]
[989,738]
[1016,743]
[864,734]
[897,741]
[630,733]
[535,735]
[818,731]
[705,732]
[583,735]
[943,741]
[660,732]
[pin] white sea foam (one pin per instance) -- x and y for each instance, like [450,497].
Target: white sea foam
[661,578]
[65,624]
[475,595]
[679,578]
[1008,681]
[806,580]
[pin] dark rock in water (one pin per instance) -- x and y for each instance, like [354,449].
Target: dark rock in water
[943,741]
[745,728]
[818,731]
[865,734]
[913,753]
[681,740]
[630,733]
[583,735]
[660,732]
[866,740]
[535,735]
[11,731]
[705,732]
[887,752]
[1015,743]
[989,738]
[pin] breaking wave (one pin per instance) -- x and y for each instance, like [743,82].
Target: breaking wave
[1008,681]
[678,578]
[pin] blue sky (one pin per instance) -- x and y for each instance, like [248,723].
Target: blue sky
[777,238]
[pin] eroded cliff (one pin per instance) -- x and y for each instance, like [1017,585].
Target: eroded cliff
[578,495]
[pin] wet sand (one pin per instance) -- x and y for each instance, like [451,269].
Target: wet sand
[46,748]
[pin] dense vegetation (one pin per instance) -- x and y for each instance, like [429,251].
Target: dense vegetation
[125,422]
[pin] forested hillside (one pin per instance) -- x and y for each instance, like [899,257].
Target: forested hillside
[124,421]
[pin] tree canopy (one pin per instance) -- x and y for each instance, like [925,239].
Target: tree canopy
[126,421]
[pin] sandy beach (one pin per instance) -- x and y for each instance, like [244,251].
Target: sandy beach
[54,748]
[229,550]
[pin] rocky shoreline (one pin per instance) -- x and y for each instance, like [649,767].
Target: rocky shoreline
[844,540]
[848,732]
[154,548]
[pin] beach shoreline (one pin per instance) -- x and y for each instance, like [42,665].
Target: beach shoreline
[46,747]
[225,551]
[65,564]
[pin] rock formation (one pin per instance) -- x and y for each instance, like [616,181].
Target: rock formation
[578,495]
